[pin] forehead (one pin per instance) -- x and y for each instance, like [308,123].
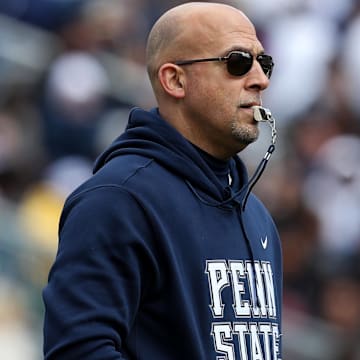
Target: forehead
[238,40]
[225,29]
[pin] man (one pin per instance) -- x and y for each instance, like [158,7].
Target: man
[159,255]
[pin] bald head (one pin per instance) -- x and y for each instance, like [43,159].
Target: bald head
[189,30]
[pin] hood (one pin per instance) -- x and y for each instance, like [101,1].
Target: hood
[147,134]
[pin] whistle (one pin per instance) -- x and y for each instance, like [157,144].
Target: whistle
[264,114]
[261,113]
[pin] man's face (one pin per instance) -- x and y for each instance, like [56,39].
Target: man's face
[218,103]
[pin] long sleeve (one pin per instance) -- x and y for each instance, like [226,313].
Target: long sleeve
[98,277]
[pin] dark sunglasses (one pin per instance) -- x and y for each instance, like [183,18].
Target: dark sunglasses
[238,63]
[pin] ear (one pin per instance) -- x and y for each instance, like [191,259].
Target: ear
[172,80]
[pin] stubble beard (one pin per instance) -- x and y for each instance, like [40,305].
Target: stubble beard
[244,133]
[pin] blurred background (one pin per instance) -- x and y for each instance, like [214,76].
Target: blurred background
[70,70]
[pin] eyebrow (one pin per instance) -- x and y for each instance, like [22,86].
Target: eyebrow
[241,48]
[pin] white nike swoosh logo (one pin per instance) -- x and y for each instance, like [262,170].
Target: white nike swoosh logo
[264,242]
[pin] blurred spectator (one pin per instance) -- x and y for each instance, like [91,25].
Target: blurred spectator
[21,153]
[47,14]
[118,26]
[17,340]
[332,191]
[309,133]
[40,207]
[341,292]
[74,101]
[350,64]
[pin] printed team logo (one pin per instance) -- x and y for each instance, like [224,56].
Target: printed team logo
[255,336]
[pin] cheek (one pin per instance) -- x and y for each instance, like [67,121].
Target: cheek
[219,100]
[213,97]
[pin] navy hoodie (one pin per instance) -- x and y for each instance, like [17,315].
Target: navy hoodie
[157,259]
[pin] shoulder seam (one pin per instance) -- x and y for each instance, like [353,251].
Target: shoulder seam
[109,185]
[137,170]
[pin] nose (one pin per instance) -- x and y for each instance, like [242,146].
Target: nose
[256,78]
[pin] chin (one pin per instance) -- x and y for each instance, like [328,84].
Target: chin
[245,134]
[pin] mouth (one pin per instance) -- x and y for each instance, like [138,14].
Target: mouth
[248,108]
[249,105]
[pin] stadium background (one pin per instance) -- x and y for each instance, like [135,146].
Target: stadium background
[70,70]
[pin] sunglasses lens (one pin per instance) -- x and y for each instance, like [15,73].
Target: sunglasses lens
[239,63]
[266,64]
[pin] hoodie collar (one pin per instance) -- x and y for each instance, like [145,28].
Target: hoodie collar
[149,135]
